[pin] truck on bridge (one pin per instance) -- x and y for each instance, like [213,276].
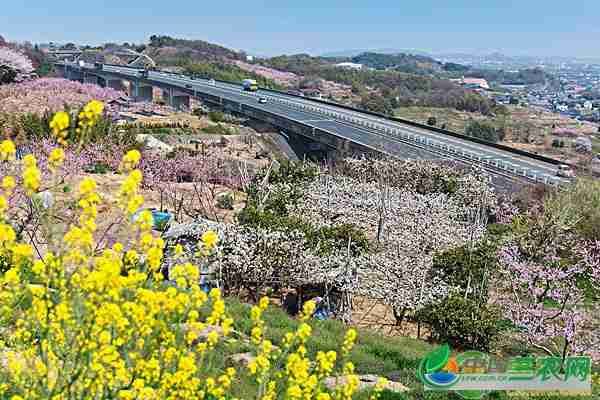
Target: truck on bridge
[250,85]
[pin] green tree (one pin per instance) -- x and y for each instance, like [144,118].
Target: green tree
[484,130]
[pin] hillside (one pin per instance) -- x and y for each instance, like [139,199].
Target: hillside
[165,50]
[415,64]
[383,91]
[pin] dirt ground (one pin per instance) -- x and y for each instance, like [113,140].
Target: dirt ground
[373,315]
[185,200]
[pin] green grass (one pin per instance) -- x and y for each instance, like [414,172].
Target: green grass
[373,354]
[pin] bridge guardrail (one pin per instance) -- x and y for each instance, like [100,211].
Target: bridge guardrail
[444,147]
[426,127]
[465,154]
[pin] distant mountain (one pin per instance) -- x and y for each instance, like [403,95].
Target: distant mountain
[410,63]
[354,53]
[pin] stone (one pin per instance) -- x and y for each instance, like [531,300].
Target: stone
[261,154]
[241,359]
[203,334]
[365,382]
[583,144]
[154,144]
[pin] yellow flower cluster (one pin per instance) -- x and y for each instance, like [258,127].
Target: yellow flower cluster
[90,114]
[59,124]
[81,321]
[130,160]
[349,341]
[300,378]
[129,197]
[56,159]
[7,150]
[31,174]
[88,117]
[8,184]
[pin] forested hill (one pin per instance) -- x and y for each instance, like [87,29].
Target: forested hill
[394,88]
[529,76]
[401,62]
[166,50]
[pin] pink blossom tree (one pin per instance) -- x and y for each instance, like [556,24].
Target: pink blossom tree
[547,274]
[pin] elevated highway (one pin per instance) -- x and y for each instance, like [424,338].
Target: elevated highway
[340,128]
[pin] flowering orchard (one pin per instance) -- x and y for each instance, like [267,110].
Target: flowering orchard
[82,322]
[16,61]
[408,227]
[48,95]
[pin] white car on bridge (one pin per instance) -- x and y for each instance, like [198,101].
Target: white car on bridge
[564,171]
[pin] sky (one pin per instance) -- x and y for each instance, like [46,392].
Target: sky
[524,27]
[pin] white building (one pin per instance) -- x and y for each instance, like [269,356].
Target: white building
[588,105]
[349,65]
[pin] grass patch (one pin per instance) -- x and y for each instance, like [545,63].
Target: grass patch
[373,353]
[396,357]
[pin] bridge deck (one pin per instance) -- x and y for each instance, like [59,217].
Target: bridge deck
[382,135]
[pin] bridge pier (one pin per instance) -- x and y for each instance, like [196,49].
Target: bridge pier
[114,83]
[176,99]
[141,92]
[73,74]
[91,79]
[181,102]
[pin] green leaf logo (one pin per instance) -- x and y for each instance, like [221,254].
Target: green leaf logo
[437,359]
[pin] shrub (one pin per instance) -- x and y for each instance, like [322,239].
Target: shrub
[225,201]
[291,172]
[432,121]
[34,126]
[217,129]
[97,168]
[485,131]
[468,269]
[216,116]
[463,324]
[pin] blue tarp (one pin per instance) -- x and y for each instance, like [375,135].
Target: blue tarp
[159,218]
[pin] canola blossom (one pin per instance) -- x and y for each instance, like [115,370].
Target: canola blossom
[101,323]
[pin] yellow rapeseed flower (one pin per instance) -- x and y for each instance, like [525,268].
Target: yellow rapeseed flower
[60,122]
[31,179]
[29,161]
[209,239]
[7,150]
[56,158]
[87,186]
[131,160]
[8,183]
[94,108]
[263,303]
